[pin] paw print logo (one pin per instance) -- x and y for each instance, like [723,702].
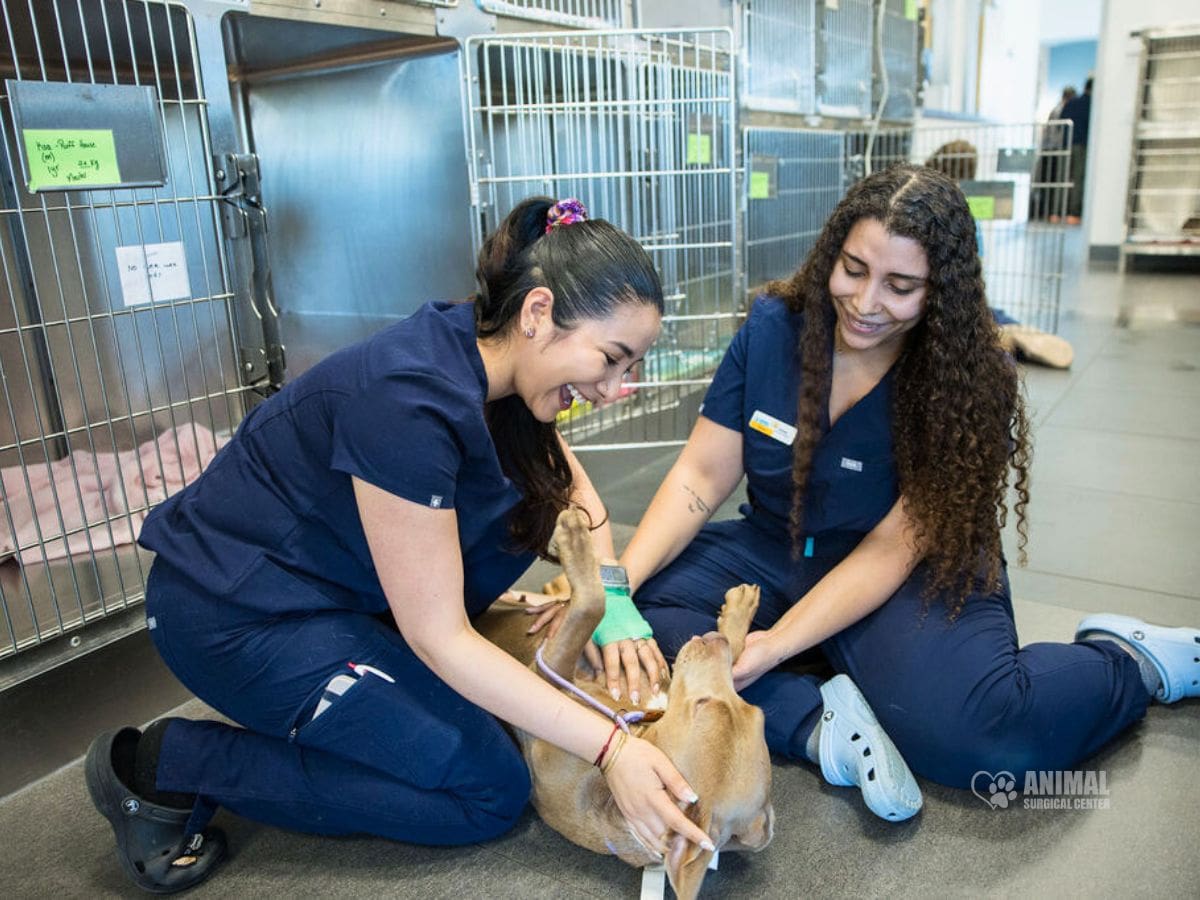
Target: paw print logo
[998,791]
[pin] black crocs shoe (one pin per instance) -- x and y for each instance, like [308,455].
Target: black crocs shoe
[152,843]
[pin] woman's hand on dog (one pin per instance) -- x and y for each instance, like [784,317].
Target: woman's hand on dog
[642,660]
[646,786]
[637,657]
[759,655]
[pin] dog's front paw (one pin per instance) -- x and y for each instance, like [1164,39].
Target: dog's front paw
[737,612]
[576,554]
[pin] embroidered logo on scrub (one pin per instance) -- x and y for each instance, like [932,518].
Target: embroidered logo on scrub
[772,427]
[854,465]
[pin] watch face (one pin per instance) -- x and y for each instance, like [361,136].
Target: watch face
[614,576]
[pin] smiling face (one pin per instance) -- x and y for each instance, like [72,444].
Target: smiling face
[587,361]
[879,288]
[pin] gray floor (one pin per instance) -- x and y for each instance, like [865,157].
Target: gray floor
[1115,525]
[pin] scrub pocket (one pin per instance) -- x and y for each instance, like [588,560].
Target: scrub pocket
[382,725]
[857,486]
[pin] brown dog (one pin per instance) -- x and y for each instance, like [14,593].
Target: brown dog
[712,736]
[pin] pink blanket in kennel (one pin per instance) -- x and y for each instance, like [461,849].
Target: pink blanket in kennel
[115,491]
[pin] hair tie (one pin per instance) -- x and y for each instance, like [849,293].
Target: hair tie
[565,212]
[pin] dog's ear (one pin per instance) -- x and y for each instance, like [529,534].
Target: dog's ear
[687,862]
[755,834]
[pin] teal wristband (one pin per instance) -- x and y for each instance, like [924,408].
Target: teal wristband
[621,618]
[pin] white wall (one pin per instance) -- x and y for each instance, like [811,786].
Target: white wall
[1010,57]
[1070,20]
[1114,96]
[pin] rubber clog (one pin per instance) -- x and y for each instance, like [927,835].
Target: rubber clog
[152,844]
[1174,652]
[855,750]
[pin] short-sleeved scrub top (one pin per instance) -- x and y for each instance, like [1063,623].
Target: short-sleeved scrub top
[853,482]
[404,411]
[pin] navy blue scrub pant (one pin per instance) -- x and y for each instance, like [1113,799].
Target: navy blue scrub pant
[411,761]
[957,697]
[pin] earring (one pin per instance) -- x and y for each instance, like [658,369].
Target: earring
[528,332]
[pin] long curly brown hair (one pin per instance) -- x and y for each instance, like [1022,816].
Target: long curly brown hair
[959,423]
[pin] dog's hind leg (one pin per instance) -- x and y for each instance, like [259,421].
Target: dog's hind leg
[586,607]
[736,614]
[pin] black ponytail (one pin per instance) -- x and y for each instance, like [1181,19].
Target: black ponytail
[591,268]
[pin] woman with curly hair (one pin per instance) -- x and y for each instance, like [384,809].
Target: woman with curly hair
[879,424]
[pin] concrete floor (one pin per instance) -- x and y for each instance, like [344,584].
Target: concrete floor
[1115,522]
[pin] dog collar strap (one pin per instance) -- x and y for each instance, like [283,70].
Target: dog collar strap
[620,717]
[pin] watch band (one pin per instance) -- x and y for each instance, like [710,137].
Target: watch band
[614,576]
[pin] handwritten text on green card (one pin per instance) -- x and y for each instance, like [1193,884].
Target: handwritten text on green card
[760,185]
[699,150]
[70,158]
[982,208]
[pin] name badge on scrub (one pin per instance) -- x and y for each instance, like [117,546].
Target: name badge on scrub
[772,427]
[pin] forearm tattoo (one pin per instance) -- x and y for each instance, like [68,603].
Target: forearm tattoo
[695,504]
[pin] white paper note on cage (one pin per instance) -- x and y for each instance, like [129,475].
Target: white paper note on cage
[153,272]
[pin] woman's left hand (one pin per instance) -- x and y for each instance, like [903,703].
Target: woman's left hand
[759,655]
[635,656]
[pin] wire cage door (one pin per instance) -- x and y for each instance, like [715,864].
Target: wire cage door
[640,126]
[1016,179]
[118,359]
[795,177]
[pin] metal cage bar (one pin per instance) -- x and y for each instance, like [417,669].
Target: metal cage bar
[779,56]
[845,58]
[569,13]
[1016,178]
[639,125]
[899,38]
[794,180]
[108,397]
[1162,209]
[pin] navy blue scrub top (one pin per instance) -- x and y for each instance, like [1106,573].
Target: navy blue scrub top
[403,411]
[853,482]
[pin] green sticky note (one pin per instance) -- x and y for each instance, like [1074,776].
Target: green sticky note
[699,150]
[70,158]
[910,10]
[760,186]
[982,208]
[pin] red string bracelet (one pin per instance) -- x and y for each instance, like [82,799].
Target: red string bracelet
[604,749]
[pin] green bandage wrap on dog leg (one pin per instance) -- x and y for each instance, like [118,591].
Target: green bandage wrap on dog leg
[621,618]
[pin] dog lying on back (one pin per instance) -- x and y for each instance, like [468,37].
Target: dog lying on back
[713,737]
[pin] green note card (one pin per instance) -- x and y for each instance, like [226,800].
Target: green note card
[910,10]
[982,208]
[760,185]
[699,150]
[70,158]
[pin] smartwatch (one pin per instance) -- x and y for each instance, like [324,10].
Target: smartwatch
[614,577]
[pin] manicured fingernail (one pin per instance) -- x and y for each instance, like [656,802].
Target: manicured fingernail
[708,845]
[693,797]
[633,695]
[656,688]
[616,693]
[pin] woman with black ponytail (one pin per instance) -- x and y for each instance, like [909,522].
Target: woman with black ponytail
[316,584]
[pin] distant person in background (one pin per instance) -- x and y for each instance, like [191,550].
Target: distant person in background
[1079,111]
[1068,94]
[1045,195]
[959,160]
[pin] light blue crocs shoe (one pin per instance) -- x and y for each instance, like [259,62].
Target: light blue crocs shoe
[854,749]
[1174,652]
